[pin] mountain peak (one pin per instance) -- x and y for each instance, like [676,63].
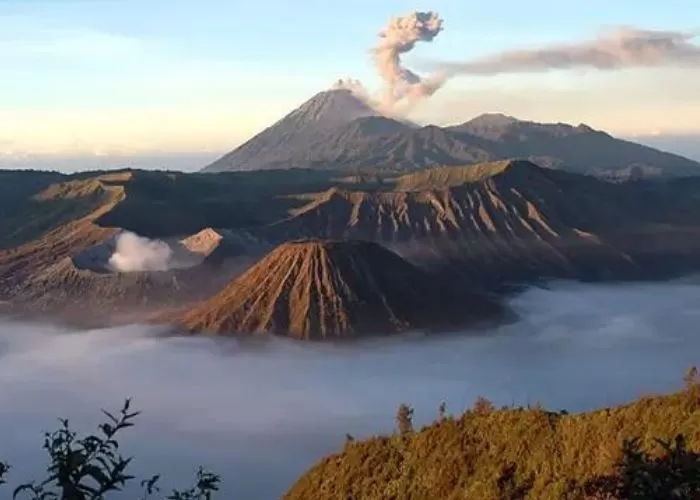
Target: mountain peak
[493,120]
[299,130]
[337,130]
[336,105]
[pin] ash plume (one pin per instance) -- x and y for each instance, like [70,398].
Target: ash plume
[402,87]
[625,47]
[399,37]
[620,48]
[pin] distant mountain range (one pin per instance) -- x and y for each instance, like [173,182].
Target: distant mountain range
[335,130]
[687,145]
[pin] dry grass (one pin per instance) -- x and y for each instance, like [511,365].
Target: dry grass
[465,457]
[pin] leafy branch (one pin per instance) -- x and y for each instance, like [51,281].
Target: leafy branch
[88,468]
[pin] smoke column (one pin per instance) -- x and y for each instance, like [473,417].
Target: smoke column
[621,48]
[399,37]
[402,87]
[135,253]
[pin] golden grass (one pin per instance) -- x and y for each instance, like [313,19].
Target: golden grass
[464,457]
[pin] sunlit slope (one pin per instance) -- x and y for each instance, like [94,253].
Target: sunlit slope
[333,289]
[548,455]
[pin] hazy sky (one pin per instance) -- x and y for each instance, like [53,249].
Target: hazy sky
[144,76]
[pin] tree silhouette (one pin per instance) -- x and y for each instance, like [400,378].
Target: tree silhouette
[483,406]
[404,419]
[88,468]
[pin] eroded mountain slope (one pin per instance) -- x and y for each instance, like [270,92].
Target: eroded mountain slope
[334,289]
[505,220]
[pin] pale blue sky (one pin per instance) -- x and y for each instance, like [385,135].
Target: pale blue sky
[166,75]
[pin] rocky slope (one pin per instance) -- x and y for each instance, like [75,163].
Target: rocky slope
[504,220]
[64,270]
[318,290]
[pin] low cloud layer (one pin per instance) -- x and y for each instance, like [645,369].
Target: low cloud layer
[262,413]
[625,47]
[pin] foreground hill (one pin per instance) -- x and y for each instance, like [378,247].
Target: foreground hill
[335,130]
[516,454]
[333,289]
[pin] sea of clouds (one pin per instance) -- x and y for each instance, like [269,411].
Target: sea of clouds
[260,413]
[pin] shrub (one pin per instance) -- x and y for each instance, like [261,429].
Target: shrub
[404,420]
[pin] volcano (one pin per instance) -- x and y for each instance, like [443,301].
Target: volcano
[335,130]
[322,290]
[299,131]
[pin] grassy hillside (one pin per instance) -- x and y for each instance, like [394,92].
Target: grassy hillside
[533,453]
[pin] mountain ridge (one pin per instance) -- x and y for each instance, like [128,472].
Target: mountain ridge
[336,130]
[510,220]
[493,225]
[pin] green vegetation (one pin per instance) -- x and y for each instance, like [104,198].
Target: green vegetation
[644,450]
[88,468]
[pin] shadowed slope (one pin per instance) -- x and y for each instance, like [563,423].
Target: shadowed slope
[335,130]
[506,219]
[297,132]
[66,215]
[330,289]
[580,148]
